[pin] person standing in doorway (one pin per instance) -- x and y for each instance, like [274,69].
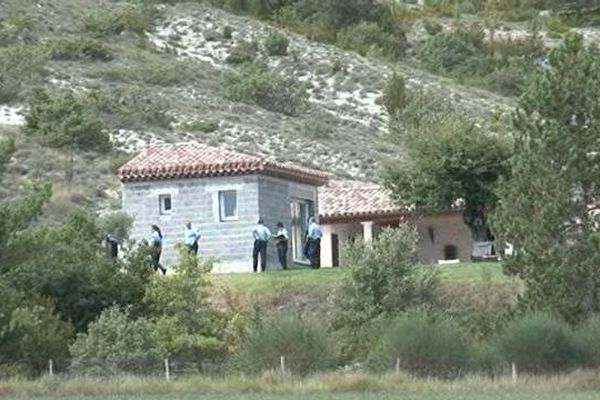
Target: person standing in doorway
[281,242]
[261,238]
[156,248]
[314,243]
[191,238]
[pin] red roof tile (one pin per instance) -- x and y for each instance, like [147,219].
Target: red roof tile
[194,160]
[347,198]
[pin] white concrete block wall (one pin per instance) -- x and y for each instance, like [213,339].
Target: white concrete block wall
[196,200]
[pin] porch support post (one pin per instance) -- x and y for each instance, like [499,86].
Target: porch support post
[367,231]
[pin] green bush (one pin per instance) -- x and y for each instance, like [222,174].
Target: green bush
[316,128]
[242,52]
[395,96]
[255,83]
[588,341]
[20,66]
[131,107]
[17,29]
[200,125]
[424,346]
[381,279]
[65,121]
[305,346]
[539,343]
[79,48]
[370,38]
[117,224]
[461,50]
[110,22]
[38,335]
[115,344]
[227,32]
[276,44]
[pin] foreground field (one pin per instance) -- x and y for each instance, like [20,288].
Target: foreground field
[577,386]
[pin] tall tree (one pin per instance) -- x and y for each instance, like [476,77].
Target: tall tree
[445,158]
[549,207]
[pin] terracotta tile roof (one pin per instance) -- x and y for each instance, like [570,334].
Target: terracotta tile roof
[351,198]
[193,160]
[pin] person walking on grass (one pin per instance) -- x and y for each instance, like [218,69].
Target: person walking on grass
[191,238]
[156,248]
[261,235]
[314,243]
[281,242]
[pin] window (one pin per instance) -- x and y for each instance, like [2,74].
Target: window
[228,205]
[164,204]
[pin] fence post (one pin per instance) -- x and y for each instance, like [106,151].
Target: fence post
[398,365]
[167,370]
[514,372]
[50,368]
[282,364]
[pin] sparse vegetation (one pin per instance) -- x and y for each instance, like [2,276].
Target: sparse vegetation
[21,66]
[255,83]
[79,48]
[276,44]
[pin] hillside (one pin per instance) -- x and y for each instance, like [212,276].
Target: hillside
[163,80]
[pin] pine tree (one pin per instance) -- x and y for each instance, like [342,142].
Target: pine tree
[548,208]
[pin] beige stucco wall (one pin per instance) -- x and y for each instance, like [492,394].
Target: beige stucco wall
[448,229]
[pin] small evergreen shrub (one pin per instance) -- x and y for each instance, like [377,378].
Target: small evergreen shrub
[20,66]
[276,44]
[424,346]
[451,51]
[305,346]
[395,96]
[79,48]
[227,32]
[588,341]
[242,52]
[115,344]
[254,83]
[200,125]
[109,23]
[371,38]
[539,343]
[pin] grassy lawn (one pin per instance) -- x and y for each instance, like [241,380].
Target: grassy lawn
[302,277]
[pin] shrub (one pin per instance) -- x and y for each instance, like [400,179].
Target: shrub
[38,335]
[508,81]
[450,51]
[242,52]
[236,6]
[424,346]
[276,44]
[380,281]
[117,224]
[371,38]
[305,346]
[588,341]
[20,65]
[432,28]
[131,107]
[109,23]
[394,94]
[17,29]
[316,128]
[200,125]
[65,121]
[115,344]
[227,32]
[79,48]
[255,83]
[539,343]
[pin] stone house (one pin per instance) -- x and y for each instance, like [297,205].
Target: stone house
[357,210]
[223,193]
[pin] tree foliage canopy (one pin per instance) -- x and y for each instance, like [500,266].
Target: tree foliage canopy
[548,207]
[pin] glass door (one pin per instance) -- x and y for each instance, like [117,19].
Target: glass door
[301,210]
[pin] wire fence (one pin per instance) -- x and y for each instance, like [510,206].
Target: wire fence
[169,368]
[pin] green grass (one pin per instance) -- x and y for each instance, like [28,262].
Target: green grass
[580,385]
[302,277]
